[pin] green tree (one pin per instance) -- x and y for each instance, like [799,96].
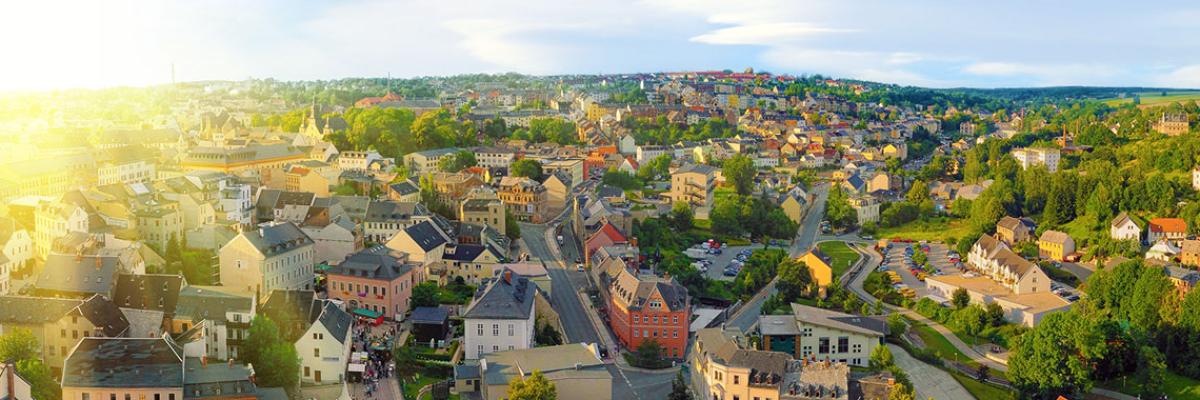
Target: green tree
[960,298]
[679,388]
[527,168]
[881,358]
[425,295]
[740,171]
[40,378]
[535,387]
[681,216]
[19,344]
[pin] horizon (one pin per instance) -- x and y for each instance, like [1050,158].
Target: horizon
[140,43]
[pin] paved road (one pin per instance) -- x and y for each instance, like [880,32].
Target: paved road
[928,381]
[747,316]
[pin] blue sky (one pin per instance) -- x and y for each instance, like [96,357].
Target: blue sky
[92,43]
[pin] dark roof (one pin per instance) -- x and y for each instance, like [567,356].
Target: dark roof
[426,235]
[77,276]
[510,297]
[271,240]
[159,292]
[104,315]
[429,315]
[336,320]
[377,262]
[124,363]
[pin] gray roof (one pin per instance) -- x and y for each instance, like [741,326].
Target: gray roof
[124,363]
[377,262]
[336,320]
[67,275]
[271,240]
[510,297]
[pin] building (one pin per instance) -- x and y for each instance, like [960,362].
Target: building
[1014,230]
[376,279]
[59,324]
[1123,227]
[647,307]
[324,348]
[1172,124]
[866,208]
[525,198]
[693,184]
[1055,245]
[825,334]
[819,265]
[1172,230]
[575,369]
[1044,156]
[272,257]
[500,317]
[216,317]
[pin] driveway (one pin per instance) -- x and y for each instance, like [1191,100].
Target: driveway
[929,381]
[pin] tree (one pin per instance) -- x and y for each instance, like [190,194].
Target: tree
[679,388]
[425,295]
[279,366]
[960,298]
[527,168]
[535,387]
[681,216]
[649,354]
[739,170]
[794,279]
[40,378]
[881,358]
[19,344]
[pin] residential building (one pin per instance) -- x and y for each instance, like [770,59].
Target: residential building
[377,279]
[575,369]
[525,198]
[1014,230]
[647,307]
[500,317]
[825,334]
[1055,245]
[819,265]
[1044,156]
[693,184]
[324,348]
[59,324]
[271,257]
[1172,230]
[1123,227]
[217,317]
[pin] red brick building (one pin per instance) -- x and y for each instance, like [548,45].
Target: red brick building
[649,308]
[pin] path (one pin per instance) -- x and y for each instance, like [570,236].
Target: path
[928,381]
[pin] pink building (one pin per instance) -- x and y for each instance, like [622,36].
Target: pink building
[375,279]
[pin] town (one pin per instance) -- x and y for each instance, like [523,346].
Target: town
[685,235]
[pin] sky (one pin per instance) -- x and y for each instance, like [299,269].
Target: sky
[54,44]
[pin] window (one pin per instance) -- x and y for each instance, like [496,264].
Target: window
[843,344]
[823,346]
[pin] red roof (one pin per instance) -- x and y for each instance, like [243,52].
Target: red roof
[1172,225]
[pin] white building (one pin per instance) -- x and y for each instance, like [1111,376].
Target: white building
[1045,156]
[268,258]
[324,348]
[502,318]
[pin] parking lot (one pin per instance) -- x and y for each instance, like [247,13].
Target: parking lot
[717,263]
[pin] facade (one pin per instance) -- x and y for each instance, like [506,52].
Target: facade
[272,257]
[647,307]
[1124,228]
[1044,156]
[693,184]
[324,348]
[1172,230]
[825,334]
[377,279]
[500,317]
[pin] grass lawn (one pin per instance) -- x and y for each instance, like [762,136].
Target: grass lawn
[983,390]
[1176,386]
[938,229]
[841,255]
[1156,98]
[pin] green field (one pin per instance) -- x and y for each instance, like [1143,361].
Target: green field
[937,230]
[840,254]
[1175,386]
[1156,98]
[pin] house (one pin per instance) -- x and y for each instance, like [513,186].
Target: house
[820,265]
[376,279]
[324,348]
[1014,230]
[1189,252]
[430,324]
[59,324]
[216,316]
[1123,227]
[525,198]
[1170,229]
[500,317]
[825,334]
[271,257]
[575,369]
[693,184]
[647,307]
[1055,245]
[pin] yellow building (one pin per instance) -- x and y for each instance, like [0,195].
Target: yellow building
[819,265]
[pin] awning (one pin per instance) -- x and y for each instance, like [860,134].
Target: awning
[363,312]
